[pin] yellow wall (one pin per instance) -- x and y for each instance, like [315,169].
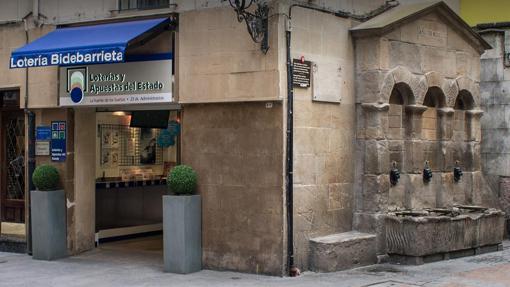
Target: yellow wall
[486,11]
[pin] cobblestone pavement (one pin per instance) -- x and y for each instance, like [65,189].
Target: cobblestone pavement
[115,268]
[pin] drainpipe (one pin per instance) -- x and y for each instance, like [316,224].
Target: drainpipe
[35,12]
[31,154]
[292,269]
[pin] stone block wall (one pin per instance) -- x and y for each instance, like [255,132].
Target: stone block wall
[42,81]
[495,124]
[219,62]
[323,132]
[237,151]
[496,104]
[11,38]
[417,100]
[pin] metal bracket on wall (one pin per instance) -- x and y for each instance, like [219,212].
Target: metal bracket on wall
[256,21]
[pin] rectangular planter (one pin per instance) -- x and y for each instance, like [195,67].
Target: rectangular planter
[182,233]
[49,236]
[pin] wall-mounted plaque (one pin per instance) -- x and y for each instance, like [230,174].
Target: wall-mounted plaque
[301,73]
[58,141]
[43,133]
[42,148]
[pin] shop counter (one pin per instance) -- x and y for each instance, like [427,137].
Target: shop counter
[128,207]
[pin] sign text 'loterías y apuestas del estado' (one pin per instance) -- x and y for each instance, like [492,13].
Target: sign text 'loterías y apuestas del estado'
[144,82]
[72,58]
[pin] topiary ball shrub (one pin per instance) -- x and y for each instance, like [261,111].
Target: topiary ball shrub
[182,180]
[45,177]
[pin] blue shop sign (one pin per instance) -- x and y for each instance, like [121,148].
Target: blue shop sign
[86,45]
[43,133]
[58,140]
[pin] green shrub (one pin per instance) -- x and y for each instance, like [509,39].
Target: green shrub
[45,177]
[182,180]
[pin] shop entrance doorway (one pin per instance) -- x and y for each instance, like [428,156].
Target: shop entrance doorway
[135,149]
[12,161]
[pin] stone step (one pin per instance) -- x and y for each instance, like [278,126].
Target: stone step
[342,251]
[14,244]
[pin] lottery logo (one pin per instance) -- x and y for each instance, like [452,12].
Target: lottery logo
[77,84]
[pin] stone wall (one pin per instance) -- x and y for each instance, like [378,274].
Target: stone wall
[323,132]
[219,62]
[495,99]
[237,151]
[84,202]
[495,78]
[12,36]
[418,101]
[42,81]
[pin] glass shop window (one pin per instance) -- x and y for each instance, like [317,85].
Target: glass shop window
[143,4]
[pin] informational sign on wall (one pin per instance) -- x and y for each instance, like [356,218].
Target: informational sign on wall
[142,82]
[43,133]
[42,148]
[58,140]
[301,73]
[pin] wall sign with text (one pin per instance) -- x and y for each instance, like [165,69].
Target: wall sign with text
[301,73]
[116,84]
[58,140]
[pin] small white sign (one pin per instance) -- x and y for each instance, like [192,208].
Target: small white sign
[327,81]
[42,148]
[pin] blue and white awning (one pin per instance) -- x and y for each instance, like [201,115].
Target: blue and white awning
[83,45]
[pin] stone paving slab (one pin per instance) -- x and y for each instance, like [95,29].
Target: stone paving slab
[111,268]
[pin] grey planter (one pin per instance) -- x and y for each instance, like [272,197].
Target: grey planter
[182,233]
[49,239]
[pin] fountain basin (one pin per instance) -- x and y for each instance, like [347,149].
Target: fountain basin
[440,234]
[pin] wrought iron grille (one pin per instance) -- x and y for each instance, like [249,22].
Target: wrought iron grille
[122,145]
[15,150]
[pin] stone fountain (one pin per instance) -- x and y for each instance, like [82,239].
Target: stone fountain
[437,234]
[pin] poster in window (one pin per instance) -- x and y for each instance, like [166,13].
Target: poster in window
[114,139]
[115,158]
[106,158]
[147,147]
[106,139]
[130,146]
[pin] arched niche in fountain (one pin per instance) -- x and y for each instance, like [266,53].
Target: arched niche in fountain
[398,118]
[463,102]
[401,96]
[466,130]
[433,123]
[404,128]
